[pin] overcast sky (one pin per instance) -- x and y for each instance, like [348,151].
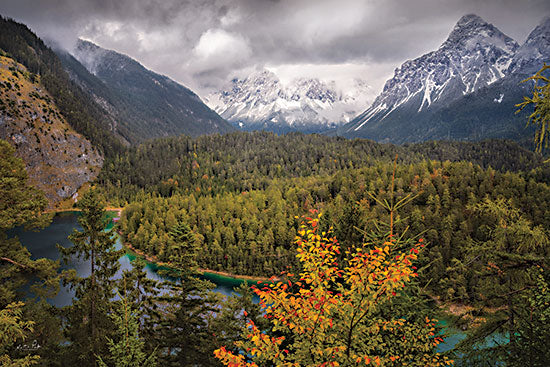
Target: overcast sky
[203,43]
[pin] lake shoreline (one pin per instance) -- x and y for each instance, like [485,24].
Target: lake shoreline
[67,210]
[152,259]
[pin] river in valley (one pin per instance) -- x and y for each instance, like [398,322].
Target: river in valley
[42,244]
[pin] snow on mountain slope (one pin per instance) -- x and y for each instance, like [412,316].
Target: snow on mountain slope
[475,55]
[536,49]
[262,101]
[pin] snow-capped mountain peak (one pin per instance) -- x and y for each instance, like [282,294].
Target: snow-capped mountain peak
[472,33]
[475,55]
[536,48]
[262,101]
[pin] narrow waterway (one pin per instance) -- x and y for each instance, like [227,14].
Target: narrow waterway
[42,244]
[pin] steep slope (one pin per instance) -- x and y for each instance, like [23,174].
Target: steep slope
[536,50]
[143,104]
[470,64]
[58,159]
[113,107]
[262,102]
[490,112]
[82,113]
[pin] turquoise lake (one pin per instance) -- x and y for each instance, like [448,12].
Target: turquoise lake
[42,244]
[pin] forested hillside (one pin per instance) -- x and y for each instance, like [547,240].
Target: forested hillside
[143,104]
[241,192]
[84,115]
[240,162]
[238,228]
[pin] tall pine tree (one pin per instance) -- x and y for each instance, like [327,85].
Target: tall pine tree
[87,324]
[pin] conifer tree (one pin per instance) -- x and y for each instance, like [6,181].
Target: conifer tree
[541,103]
[182,333]
[502,264]
[530,346]
[87,321]
[22,204]
[127,350]
[12,330]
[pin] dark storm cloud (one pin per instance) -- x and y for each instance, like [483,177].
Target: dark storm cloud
[203,41]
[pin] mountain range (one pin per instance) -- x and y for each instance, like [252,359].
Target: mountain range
[465,90]
[64,119]
[261,101]
[94,101]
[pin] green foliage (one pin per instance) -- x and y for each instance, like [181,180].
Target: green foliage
[127,350]
[238,162]
[183,334]
[22,204]
[541,103]
[12,330]
[530,347]
[501,263]
[87,323]
[183,248]
[235,230]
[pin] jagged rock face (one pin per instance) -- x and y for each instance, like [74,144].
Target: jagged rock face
[536,49]
[58,160]
[428,97]
[475,54]
[262,101]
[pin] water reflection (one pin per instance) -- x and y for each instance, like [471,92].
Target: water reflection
[42,244]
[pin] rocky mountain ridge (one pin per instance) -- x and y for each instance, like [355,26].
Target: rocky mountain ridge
[261,101]
[476,59]
[142,104]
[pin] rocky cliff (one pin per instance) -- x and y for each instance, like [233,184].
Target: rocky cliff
[58,159]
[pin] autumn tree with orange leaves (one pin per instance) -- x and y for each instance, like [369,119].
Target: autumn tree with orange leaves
[330,315]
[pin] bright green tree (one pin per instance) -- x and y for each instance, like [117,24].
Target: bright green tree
[12,330]
[127,350]
[22,204]
[541,103]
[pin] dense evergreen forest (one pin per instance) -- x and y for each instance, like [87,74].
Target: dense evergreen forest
[243,195]
[239,162]
[368,241]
